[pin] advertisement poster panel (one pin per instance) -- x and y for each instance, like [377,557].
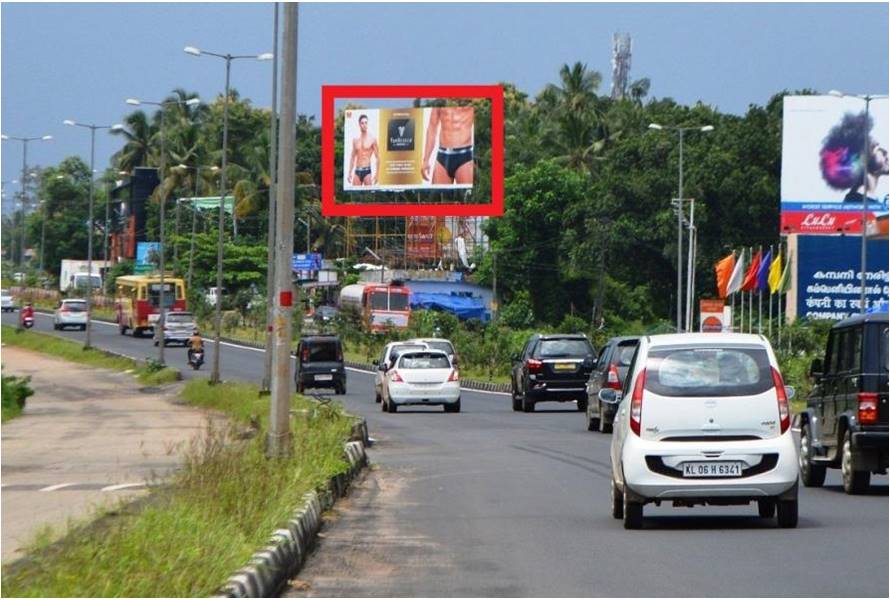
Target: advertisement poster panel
[396,149]
[823,140]
[711,315]
[828,276]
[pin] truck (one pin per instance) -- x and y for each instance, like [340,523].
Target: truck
[380,305]
[74,275]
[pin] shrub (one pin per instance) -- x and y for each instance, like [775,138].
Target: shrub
[15,391]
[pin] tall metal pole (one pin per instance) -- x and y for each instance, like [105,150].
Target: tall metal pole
[105,238]
[278,443]
[217,334]
[680,242]
[43,235]
[273,162]
[194,225]
[159,334]
[865,152]
[24,197]
[691,265]
[88,341]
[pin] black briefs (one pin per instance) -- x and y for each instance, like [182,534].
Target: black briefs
[452,158]
[362,172]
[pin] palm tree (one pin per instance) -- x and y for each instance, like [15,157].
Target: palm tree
[139,133]
[572,106]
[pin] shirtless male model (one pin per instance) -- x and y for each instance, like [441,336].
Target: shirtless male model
[363,148]
[454,161]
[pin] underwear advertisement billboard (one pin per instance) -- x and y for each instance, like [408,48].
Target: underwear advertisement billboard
[823,141]
[395,149]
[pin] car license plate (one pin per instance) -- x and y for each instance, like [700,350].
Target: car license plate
[712,469]
[324,377]
[564,366]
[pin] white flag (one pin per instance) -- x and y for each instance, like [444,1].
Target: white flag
[738,274]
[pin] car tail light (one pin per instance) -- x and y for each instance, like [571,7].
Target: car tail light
[868,408]
[454,375]
[305,354]
[612,379]
[534,365]
[396,377]
[636,403]
[782,399]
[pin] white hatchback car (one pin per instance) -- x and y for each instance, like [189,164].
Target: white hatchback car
[387,360]
[422,377]
[704,419]
[72,312]
[7,302]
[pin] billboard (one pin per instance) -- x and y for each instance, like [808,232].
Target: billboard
[823,139]
[828,276]
[395,149]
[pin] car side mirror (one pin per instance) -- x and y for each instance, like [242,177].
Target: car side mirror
[790,392]
[514,357]
[816,368]
[381,366]
[609,396]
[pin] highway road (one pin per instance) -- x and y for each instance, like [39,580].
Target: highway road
[490,502]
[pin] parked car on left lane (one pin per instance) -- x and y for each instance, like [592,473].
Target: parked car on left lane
[72,312]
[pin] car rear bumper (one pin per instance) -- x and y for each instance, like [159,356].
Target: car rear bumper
[543,390]
[653,470]
[871,440]
[71,320]
[448,393]
[322,378]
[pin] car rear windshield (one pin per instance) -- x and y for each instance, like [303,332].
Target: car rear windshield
[424,360]
[708,372]
[180,318]
[562,348]
[322,351]
[76,306]
[445,347]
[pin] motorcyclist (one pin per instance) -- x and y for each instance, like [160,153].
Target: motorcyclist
[196,344]
[26,313]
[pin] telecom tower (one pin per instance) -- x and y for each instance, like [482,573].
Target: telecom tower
[621,48]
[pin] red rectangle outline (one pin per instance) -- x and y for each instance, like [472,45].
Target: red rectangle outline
[329,206]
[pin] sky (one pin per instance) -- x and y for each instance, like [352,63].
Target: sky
[81,61]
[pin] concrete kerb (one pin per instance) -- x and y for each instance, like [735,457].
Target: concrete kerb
[269,569]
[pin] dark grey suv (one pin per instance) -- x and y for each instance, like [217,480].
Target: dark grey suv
[552,368]
[610,372]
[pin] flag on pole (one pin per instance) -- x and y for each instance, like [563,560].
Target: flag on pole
[785,281]
[750,282]
[738,275]
[775,274]
[763,271]
[724,269]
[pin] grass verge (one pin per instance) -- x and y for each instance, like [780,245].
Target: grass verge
[74,352]
[15,392]
[188,537]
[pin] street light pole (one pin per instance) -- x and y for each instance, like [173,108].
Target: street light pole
[92,127]
[214,376]
[24,141]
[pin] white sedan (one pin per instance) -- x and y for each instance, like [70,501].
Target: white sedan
[72,312]
[422,377]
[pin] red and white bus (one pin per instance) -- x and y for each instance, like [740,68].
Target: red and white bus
[137,300]
[381,305]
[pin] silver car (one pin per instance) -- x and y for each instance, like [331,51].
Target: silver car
[72,312]
[8,305]
[178,328]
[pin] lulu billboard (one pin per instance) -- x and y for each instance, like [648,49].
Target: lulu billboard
[394,149]
[823,139]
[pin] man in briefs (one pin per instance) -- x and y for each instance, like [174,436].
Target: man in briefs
[363,148]
[454,161]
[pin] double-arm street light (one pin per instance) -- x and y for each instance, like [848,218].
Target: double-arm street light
[24,141]
[214,377]
[690,291]
[197,170]
[163,201]
[92,127]
[866,152]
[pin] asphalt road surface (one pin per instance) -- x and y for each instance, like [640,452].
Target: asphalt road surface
[490,502]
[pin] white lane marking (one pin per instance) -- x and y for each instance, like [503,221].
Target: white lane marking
[122,486]
[58,486]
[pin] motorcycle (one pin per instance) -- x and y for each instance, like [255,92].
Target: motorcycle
[196,359]
[27,321]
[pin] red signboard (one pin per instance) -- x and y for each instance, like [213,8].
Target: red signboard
[422,237]
[822,221]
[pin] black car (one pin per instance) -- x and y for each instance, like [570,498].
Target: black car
[610,372]
[320,363]
[845,422]
[552,368]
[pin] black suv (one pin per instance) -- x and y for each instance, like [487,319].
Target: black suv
[552,368]
[845,423]
[320,363]
[610,371]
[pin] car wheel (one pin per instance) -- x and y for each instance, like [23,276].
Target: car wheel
[766,508]
[582,405]
[452,408]
[605,425]
[617,501]
[633,514]
[528,405]
[593,423]
[384,406]
[377,398]
[123,329]
[786,513]
[811,475]
[156,343]
[83,327]
[517,401]
[855,482]
[393,407]
[342,390]
[301,387]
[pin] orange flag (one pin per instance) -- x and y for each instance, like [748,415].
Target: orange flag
[723,269]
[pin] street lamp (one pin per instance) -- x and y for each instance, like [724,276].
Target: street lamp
[24,141]
[197,170]
[214,377]
[163,200]
[681,131]
[92,127]
[865,152]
